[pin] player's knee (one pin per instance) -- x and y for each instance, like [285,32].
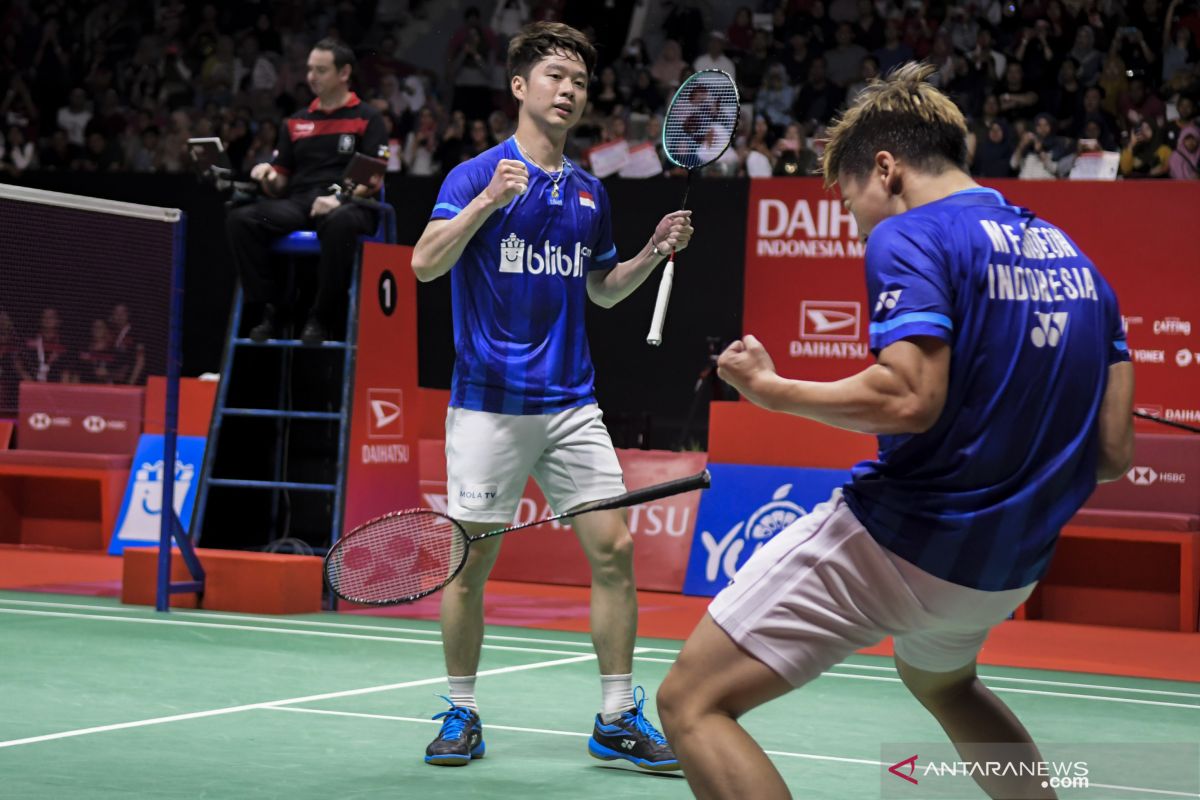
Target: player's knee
[612,558]
[474,574]
[936,690]
[671,699]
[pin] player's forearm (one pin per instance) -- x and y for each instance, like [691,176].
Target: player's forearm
[876,401]
[440,246]
[621,281]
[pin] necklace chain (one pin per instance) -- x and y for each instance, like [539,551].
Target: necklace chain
[554,179]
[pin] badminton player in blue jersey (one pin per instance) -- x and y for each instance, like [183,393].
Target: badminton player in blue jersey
[526,236]
[1001,393]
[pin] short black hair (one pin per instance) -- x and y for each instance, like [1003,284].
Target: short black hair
[342,55]
[542,39]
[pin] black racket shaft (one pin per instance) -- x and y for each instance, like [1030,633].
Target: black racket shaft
[1183,426]
[701,480]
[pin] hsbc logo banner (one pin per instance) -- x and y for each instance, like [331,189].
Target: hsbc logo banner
[1148,476]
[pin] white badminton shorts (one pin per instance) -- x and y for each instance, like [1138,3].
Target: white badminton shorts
[489,458]
[823,588]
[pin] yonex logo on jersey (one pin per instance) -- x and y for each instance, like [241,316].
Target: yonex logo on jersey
[517,258]
[1050,329]
[887,300]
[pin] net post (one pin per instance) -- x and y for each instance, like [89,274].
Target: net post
[171,529]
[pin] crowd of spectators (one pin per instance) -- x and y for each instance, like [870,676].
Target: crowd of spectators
[108,85]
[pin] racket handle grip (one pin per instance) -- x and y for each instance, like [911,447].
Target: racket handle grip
[660,305]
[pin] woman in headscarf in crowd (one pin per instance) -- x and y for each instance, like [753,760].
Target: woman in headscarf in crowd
[994,151]
[1145,156]
[1185,161]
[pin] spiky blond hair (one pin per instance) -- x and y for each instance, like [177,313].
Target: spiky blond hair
[904,115]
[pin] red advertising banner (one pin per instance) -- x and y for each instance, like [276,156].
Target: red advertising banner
[662,530]
[381,464]
[806,298]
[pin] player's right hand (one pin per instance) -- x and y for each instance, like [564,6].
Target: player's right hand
[262,173]
[510,179]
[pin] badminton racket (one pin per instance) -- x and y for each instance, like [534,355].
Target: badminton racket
[1170,422]
[406,555]
[699,127]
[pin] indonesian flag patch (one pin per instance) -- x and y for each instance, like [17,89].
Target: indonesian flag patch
[585,200]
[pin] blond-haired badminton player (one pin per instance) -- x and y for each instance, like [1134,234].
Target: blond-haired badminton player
[1001,393]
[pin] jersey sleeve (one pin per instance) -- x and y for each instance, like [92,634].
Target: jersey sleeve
[604,252]
[284,160]
[908,288]
[1118,347]
[373,142]
[460,187]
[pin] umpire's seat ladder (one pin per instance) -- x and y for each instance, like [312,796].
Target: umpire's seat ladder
[296,244]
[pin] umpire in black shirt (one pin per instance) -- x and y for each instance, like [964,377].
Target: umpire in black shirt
[314,148]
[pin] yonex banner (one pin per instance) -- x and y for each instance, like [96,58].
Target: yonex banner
[743,510]
[138,524]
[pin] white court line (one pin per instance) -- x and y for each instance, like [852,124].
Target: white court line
[261,629]
[1192,695]
[999,689]
[284,620]
[277,703]
[331,634]
[806,756]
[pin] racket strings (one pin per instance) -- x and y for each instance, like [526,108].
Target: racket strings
[702,119]
[397,557]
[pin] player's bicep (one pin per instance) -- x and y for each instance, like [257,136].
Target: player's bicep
[920,369]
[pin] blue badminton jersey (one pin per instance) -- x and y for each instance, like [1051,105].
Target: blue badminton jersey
[979,499]
[519,291]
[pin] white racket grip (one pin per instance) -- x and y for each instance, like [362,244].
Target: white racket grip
[660,305]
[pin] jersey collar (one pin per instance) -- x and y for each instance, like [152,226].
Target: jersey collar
[351,101]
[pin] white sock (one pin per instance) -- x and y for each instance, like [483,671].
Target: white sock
[617,696]
[462,691]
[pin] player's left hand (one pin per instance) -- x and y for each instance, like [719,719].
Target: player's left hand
[746,366]
[674,231]
[323,205]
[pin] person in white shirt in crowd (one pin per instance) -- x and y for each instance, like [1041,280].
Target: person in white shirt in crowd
[714,57]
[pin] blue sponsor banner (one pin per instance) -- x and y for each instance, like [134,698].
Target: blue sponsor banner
[745,507]
[139,522]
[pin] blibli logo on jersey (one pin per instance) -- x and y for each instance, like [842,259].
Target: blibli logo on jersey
[518,258]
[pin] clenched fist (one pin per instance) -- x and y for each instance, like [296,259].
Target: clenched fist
[510,179]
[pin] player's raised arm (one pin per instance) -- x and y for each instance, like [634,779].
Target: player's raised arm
[903,393]
[444,240]
[608,287]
